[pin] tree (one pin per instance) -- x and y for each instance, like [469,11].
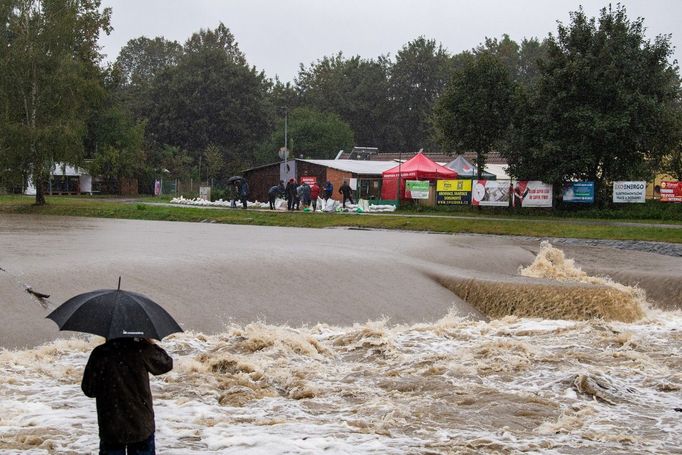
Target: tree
[116,142]
[49,77]
[672,163]
[210,97]
[604,108]
[313,134]
[137,66]
[214,161]
[521,60]
[420,73]
[355,89]
[474,112]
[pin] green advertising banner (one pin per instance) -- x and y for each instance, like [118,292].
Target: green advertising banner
[417,189]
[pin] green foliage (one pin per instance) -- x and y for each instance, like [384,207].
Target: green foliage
[672,163]
[214,161]
[522,61]
[355,89]
[475,110]
[605,107]
[312,134]
[49,79]
[210,97]
[138,64]
[417,79]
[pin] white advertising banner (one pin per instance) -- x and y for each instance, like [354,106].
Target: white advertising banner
[490,193]
[629,192]
[532,193]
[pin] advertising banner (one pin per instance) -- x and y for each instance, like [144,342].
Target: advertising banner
[579,192]
[309,179]
[671,191]
[629,192]
[417,189]
[490,193]
[532,193]
[205,193]
[453,192]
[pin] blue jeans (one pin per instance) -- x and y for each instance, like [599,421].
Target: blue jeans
[145,447]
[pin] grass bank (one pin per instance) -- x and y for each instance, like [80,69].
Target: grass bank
[536,227]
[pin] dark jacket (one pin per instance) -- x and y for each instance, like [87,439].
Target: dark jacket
[277,190]
[244,189]
[329,188]
[305,193]
[291,190]
[345,189]
[117,376]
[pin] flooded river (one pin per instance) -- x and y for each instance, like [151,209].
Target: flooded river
[346,341]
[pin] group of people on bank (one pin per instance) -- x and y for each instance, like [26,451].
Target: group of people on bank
[303,193]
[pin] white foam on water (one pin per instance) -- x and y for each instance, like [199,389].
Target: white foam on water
[455,385]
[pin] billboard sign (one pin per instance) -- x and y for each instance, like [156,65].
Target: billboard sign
[532,193]
[671,191]
[417,189]
[490,193]
[205,193]
[309,179]
[629,192]
[453,192]
[579,192]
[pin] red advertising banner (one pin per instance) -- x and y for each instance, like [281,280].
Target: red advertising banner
[671,191]
[308,179]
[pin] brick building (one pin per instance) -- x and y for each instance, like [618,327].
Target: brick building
[363,175]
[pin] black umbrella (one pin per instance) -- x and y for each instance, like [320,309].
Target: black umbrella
[234,178]
[113,313]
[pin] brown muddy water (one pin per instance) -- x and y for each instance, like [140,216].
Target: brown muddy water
[343,341]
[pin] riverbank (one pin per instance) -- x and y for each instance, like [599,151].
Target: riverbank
[144,209]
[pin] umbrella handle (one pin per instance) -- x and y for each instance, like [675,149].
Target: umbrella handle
[119,283]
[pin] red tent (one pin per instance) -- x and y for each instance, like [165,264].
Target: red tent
[420,167]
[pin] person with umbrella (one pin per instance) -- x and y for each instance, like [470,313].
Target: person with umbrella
[117,377]
[234,183]
[117,372]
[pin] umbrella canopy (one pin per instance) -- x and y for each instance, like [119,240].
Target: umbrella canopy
[234,178]
[113,313]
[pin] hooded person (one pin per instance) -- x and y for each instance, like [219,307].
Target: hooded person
[117,377]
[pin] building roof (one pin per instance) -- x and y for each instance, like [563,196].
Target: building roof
[361,167]
[492,157]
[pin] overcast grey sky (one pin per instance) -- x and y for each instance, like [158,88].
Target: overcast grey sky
[278,35]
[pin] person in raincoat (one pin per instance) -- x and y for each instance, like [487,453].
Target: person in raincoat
[347,193]
[314,194]
[328,190]
[305,194]
[291,194]
[243,191]
[274,192]
[117,377]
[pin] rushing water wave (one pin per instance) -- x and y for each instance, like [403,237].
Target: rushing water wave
[570,384]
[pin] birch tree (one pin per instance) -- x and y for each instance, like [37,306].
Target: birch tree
[49,79]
